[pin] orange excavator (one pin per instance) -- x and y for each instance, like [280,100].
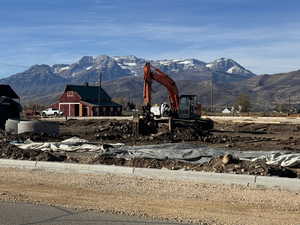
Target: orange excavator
[183,108]
[152,73]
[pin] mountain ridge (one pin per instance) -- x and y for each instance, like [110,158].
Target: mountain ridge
[123,76]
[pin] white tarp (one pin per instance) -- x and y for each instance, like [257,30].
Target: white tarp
[178,151]
[281,159]
[71,144]
[164,151]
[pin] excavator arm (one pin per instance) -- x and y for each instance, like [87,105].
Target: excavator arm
[152,73]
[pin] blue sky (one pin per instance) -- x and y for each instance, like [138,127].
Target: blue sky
[262,35]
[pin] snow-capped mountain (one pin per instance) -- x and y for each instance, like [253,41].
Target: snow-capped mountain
[180,65]
[88,68]
[119,66]
[42,80]
[131,63]
[228,66]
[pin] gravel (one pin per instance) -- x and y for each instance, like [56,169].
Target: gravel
[171,200]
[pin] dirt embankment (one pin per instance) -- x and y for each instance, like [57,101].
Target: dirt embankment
[227,135]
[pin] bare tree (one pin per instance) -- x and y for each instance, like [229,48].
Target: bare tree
[243,103]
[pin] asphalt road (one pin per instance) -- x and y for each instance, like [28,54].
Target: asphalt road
[29,214]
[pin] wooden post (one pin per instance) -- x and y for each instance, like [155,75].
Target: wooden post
[80,110]
[136,126]
[170,125]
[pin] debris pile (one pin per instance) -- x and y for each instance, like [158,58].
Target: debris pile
[8,151]
[229,164]
[122,131]
[218,165]
[140,162]
[114,130]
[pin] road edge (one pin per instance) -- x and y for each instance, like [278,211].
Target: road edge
[263,182]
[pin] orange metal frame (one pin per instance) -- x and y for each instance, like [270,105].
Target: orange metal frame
[152,73]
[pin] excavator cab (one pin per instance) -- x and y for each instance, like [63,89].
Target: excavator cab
[188,107]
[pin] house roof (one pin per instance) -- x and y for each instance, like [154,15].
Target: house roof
[91,95]
[226,110]
[7,91]
[9,102]
[103,103]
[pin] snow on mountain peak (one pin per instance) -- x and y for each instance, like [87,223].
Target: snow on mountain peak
[132,65]
[228,66]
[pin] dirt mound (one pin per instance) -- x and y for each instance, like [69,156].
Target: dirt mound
[123,131]
[140,162]
[8,151]
[120,130]
[217,165]
[237,166]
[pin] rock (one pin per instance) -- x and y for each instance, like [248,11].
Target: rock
[227,159]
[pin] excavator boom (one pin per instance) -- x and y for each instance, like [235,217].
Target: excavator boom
[152,73]
[183,108]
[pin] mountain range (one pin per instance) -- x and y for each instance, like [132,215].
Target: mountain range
[123,76]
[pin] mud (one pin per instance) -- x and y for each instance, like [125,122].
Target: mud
[245,136]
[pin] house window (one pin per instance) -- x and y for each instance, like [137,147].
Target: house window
[111,109]
[70,93]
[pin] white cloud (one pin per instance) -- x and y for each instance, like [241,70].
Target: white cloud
[263,49]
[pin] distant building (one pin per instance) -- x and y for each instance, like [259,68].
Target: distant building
[85,100]
[9,108]
[226,110]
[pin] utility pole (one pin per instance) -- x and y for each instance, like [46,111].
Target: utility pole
[211,95]
[289,104]
[99,90]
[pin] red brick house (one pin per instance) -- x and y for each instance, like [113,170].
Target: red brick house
[85,100]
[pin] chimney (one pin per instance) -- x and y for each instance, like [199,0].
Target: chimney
[86,84]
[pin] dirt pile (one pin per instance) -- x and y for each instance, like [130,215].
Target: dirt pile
[114,130]
[140,162]
[8,151]
[236,166]
[217,165]
[123,131]
[243,135]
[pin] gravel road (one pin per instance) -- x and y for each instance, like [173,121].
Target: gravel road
[187,202]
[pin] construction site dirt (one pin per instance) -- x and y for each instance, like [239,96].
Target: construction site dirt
[233,136]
